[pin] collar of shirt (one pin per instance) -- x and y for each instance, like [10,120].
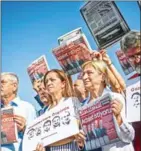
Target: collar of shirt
[14,102]
[43,110]
[86,101]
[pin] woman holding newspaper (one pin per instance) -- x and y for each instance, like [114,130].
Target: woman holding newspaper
[98,74]
[59,90]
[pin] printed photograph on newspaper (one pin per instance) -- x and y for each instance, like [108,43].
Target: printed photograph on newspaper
[8,126]
[76,36]
[98,123]
[71,56]
[123,60]
[104,21]
[133,102]
[37,69]
[52,126]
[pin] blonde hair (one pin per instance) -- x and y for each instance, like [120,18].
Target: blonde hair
[110,79]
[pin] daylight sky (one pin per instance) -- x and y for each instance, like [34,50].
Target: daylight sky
[31,29]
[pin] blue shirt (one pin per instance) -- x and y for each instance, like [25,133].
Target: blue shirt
[25,110]
[42,111]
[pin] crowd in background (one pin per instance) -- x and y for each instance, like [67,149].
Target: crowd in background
[98,77]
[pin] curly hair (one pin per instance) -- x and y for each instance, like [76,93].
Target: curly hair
[130,40]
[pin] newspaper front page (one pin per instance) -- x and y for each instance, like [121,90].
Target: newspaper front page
[104,21]
[98,123]
[8,126]
[56,124]
[133,102]
[123,60]
[76,36]
[71,56]
[37,69]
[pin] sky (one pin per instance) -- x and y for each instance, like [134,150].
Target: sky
[31,29]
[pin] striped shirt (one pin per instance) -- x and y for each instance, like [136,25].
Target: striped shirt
[72,146]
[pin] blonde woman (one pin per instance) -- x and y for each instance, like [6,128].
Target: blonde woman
[96,76]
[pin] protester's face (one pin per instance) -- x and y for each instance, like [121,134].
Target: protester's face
[54,83]
[56,121]
[7,86]
[47,126]
[66,118]
[134,57]
[79,87]
[43,96]
[92,78]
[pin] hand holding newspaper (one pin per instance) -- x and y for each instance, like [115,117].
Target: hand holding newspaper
[8,126]
[98,123]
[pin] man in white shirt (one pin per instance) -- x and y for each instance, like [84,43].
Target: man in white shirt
[24,112]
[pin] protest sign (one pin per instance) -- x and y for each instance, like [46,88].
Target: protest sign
[123,60]
[98,123]
[76,36]
[37,69]
[52,126]
[8,126]
[105,22]
[133,102]
[71,56]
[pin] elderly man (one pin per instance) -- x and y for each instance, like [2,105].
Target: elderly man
[41,96]
[24,111]
[131,46]
[79,90]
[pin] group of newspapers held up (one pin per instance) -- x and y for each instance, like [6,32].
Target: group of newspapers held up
[71,52]
[97,120]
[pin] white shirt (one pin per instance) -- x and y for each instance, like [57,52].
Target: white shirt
[25,110]
[126,131]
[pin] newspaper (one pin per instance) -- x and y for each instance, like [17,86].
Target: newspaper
[76,36]
[104,21]
[56,124]
[133,102]
[71,56]
[8,126]
[98,123]
[126,67]
[37,69]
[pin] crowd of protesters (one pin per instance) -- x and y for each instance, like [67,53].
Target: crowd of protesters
[98,77]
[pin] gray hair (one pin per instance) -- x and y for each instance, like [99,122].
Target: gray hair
[130,40]
[12,77]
